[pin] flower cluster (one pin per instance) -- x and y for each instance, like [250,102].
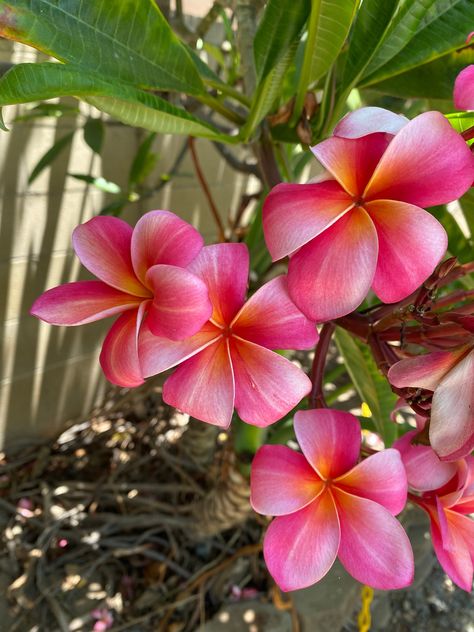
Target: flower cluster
[361,225]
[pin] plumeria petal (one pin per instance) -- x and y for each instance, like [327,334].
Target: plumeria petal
[380,478]
[293,214]
[352,160]
[411,244]
[374,547]
[464,89]
[203,386]
[457,562]
[161,237]
[452,411]
[267,386]
[329,439]
[300,548]
[160,354]
[425,471]
[369,120]
[424,371]
[103,246]
[271,319]
[119,355]
[282,481]
[330,276]
[181,305]
[224,268]
[426,163]
[81,302]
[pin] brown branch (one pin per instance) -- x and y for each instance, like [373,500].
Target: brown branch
[206,190]
[317,371]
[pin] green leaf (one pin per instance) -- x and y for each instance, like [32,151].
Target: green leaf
[461,121]
[55,110]
[115,207]
[467,205]
[94,134]
[370,24]
[34,82]
[434,80]
[100,183]
[120,40]
[372,387]
[458,244]
[50,155]
[267,93]
[333,22]
[260,259]
[143,163]
[280,25]
[429,30]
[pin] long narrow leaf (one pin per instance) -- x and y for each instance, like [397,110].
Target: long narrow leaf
[124,40]
[34,82]
[50,155]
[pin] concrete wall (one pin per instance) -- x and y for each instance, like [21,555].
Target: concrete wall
[49,375]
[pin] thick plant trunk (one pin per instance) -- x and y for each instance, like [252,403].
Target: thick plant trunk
[224,506]
[199,442]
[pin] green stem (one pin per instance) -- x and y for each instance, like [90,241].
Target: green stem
[216,105]
[305,75]
[229,91]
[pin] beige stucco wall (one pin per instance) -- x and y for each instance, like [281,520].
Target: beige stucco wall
[49,375]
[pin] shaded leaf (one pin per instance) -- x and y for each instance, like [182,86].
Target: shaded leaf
[280,25]
[458,244]
[94,134]
[50,155]
[143,162]
[100,183]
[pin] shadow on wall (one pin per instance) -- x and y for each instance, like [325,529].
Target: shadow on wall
[49,375]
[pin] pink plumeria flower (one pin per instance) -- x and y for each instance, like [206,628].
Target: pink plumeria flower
[450,374]
[104,619]
[365,225]
[228,362]
[464,89]
[452,529]
[327,505]
[142,271]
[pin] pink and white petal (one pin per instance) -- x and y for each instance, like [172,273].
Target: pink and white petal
[119,355]
[267,385]
[282,481]
[81,302]
[181,305]
[299,549]
[424,371]
[203,386]
[330,440]
[161,237]
[380,478]
[331,276]
[271,319]
[159,354]
[427,163]
[293,214]
[425,471]
[411,244]
[103,246]
[224,268]
[456,563]
[464,89]
[352,160]
[374,547]
[369,120]
[452,411]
